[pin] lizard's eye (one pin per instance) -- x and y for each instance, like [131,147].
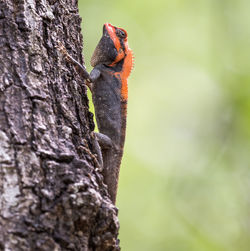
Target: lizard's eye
[121,33]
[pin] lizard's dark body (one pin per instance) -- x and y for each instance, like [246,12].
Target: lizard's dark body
[112,61]
[111,114]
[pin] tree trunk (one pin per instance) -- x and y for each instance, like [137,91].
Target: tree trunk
[52,192]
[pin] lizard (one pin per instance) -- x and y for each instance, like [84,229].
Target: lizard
[112,62]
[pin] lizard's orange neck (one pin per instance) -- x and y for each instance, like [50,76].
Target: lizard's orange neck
[124,73]
[123,52]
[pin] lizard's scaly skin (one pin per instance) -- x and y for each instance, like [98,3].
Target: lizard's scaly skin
[114,60]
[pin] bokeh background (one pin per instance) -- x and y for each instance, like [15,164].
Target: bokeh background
[185,177]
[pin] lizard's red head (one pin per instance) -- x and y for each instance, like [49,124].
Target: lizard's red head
[112,48]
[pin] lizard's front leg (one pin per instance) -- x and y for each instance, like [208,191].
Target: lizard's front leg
[79,67]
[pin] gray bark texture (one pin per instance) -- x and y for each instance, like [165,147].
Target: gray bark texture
[52,195]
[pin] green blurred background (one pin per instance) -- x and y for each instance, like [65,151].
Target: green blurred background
[185,174]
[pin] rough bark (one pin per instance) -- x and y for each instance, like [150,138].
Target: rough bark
[52,194]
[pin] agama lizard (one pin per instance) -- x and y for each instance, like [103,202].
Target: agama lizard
[112,61]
